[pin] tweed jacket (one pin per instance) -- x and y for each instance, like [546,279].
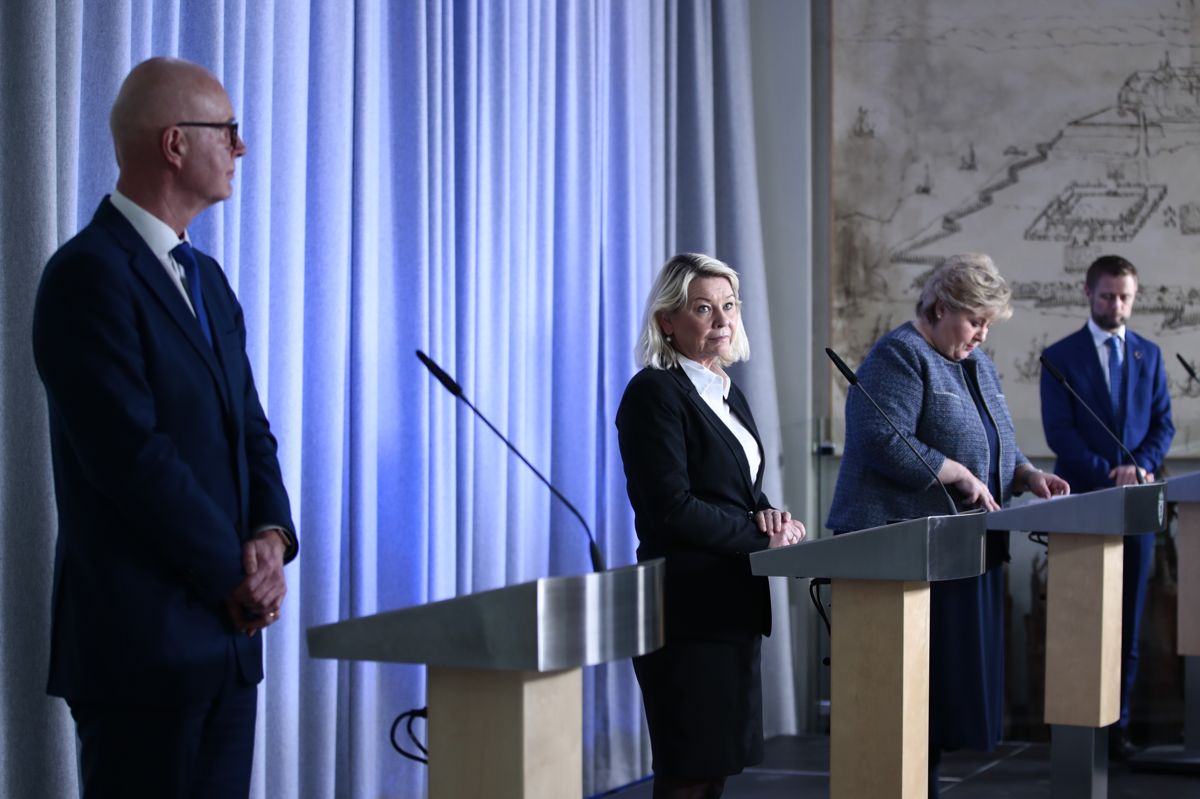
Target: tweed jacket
[927,396]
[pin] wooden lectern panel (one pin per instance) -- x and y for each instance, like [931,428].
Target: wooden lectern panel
[1083,630]
[1187,545]
[880,690]
[505,734]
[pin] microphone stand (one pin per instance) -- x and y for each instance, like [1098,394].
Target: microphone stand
[455,389]
[1190,369]
[852,379]
[1061,378]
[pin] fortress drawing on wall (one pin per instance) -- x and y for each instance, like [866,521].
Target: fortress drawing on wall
[1044,134]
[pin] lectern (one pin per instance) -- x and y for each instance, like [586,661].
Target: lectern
[505,673]
[1185,490]
[1083,620]
[879,741]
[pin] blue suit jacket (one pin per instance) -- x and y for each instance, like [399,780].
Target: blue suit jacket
[1086,454]
[163,465]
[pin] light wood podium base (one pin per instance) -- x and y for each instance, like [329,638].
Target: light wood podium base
[879,743]
[1187,546]
[1083,630]
[1083,659]
[505,734]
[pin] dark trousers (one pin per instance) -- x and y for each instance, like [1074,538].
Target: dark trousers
[200,750]
[1139,557]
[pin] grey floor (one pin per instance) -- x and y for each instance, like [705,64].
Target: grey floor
[798,768]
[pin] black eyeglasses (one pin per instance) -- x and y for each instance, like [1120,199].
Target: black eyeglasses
[231,126]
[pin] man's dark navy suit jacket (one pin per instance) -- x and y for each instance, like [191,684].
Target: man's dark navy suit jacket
[164,464]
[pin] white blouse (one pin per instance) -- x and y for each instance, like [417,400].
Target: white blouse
[713,387]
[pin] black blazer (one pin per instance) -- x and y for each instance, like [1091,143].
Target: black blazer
[163,465]
[693,500]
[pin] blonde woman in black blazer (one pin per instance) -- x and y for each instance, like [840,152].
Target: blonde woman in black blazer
[693,466]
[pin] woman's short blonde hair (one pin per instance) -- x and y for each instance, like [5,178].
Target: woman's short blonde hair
[966,282]
[670,294]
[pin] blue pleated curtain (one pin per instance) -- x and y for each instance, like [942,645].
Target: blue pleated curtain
[495,183]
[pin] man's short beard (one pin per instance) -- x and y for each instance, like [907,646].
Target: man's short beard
[1102,322]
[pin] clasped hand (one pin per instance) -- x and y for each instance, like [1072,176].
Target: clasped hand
[779,527]
[1127,475]
[255,603]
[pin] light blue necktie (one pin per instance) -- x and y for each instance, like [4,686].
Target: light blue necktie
[1116,383]
[191,273]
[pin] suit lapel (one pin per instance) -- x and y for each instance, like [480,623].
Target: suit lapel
[1135,371]
[719,427]
[741,409]
[220,319]
[1095,387]
[150,270]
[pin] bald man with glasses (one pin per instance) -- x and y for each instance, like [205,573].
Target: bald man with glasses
[174,523]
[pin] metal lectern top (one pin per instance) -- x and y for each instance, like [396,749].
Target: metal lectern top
[1121,510]
[926,550]
[1184,487]
[544,625]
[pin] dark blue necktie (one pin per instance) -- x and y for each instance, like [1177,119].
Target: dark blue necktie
[191,278]
[1116,383]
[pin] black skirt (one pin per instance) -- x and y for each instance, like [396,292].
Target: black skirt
[703,702]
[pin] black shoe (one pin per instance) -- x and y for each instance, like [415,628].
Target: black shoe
[1120,748]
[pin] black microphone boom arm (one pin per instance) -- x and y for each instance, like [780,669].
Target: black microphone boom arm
[1061,378]
[454,388]
[1191,370]
[852,378]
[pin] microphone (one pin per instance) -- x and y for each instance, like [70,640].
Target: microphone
[852,379]
[1060,377]
[455,389]
[1190,370]
[445,379]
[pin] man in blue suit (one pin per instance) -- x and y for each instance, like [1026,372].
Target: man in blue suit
[174,523]
[1120,375]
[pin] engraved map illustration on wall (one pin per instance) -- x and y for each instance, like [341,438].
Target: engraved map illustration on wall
[1042,133]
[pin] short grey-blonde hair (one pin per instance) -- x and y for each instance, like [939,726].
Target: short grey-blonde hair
[966,282]
[670,294]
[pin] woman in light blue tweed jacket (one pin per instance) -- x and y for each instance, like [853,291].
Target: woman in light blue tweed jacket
[939,387]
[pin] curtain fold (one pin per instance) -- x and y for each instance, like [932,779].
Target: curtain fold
[495,183]
[739,227]
[36,735]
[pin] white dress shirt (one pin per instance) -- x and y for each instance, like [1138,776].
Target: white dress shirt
[713,388]
[158,237]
